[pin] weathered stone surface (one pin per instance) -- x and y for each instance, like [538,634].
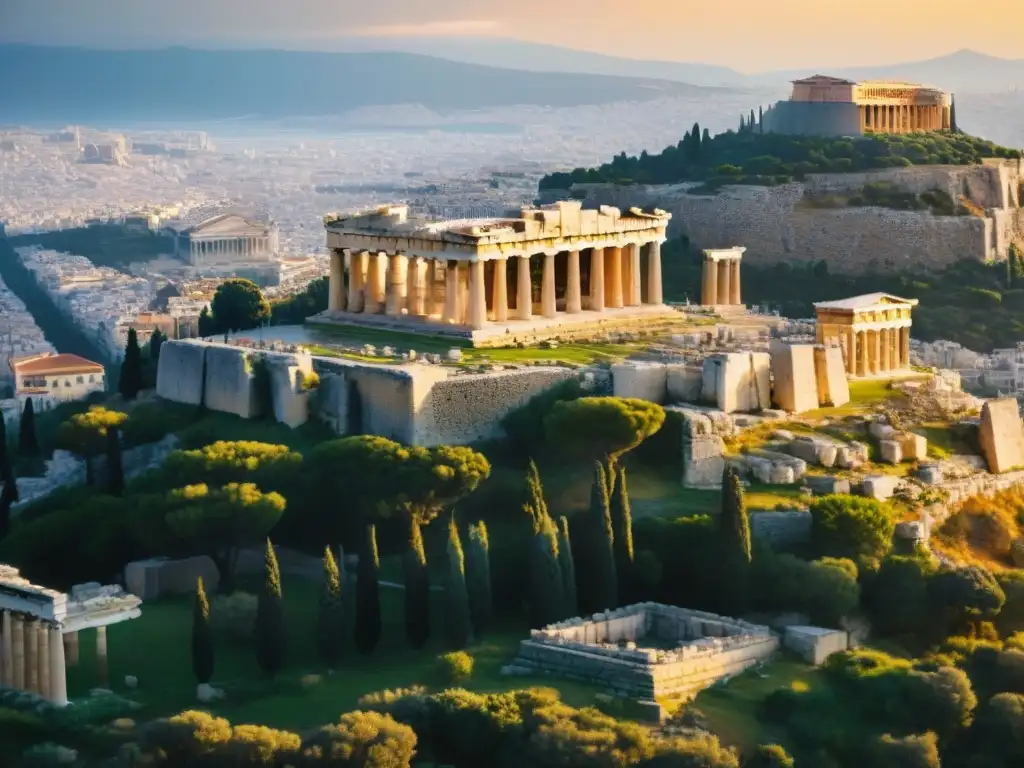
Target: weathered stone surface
[152,579]
[912,530]
[880,487]
[781,528]
[830,372]
[331,401]
[287,388]
[815,644]
[880,430]
[230,382]
[703,446]
[816,451]
[737,381]
[1001,435]
[930,474]
[825,485]
[684,382]
[643,380]
[796,387]
[913,446]
[891,451]
[775,468]
[180,374]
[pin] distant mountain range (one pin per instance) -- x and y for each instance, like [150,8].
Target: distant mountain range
[961,71]
[83,85]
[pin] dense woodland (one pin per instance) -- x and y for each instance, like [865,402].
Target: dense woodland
[750,157]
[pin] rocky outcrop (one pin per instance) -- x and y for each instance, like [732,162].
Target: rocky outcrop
[1001,435]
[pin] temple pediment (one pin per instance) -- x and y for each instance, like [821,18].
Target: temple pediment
[229,225]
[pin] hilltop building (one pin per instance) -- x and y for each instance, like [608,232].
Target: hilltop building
[224,240]
[831,106]
[539,272]
[873,331]
[51,379]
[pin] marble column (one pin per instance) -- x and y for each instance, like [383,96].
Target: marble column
[377,283]
[635,282]
[734,283]
[58,674]
[894,351]
[463,316]
[876,351]
[414,302]
[724,282]
[573,291]
[905,347]
[597,280]
[499,288]
[102,667]
[395,283]
[451,293]
[477,295]
[71,648]
[851,352]
[548,305]
[336,297]
[356,285]
[18,652]
[43,658]
[709,284]
[613,273]
[862,344]
[654,290]
[32,656]
[524,290]
[6,651]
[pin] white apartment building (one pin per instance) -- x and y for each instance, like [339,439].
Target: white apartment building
[53,379]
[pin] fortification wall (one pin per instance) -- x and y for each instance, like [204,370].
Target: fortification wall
[230,382]
[778,224]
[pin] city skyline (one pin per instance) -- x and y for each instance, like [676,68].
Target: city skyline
[786,34]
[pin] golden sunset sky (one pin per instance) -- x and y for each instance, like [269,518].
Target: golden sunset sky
[749,35]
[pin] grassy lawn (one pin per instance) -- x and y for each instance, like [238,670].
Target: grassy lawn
[731,710]
[156,649]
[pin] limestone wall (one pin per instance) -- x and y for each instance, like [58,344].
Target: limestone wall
[230,382]
[180,374]
[782,529]
[777,224]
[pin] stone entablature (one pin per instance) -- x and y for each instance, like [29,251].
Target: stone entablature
[552,261]
[609,649]
[873,331]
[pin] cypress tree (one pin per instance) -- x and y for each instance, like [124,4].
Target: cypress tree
[734,537]
[155,342]
[115,465]
[417,589]
[568,569]
[705,141]
[547,603]
[202,636]
[28,444]
[603,582]
[131,368]
[478,575]
[456,600]
[760,120]
[695,147]
[205,325]
[9,494]
[752,121]
[269,628]
[952,115]
[330,620]
[622,527]
[743,129]
[368,621]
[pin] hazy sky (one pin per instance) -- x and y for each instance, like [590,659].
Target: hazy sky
[749,35]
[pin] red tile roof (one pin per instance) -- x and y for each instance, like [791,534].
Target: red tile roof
[38,365]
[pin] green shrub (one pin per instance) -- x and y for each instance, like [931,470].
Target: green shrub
[455,667]
[233,617]
[851,527]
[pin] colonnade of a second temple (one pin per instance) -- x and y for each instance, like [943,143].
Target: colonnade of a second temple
[475,291]
[874,351]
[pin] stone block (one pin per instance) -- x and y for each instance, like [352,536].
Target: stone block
[331,400]
[180,376]
[913,531]
[826,485]
[650,711]
[737,381]
[930,474]
[230,382]
[781,528]
[891,451]
[815,644]
[1001,435]
[288,393]
[830,374]
[152,579]
[642,380]
[683,382]
[880,487]
[881,430]
[796,387]
[914,446]
[822,453]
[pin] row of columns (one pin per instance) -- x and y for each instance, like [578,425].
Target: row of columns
[876,351]
[231,248]
[396,285]
[720,283]
[906,118]
[32,656]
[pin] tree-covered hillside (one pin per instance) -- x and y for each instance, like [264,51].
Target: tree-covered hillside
[771,158]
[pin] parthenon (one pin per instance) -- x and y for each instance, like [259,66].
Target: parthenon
[540,270]
[873,330]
